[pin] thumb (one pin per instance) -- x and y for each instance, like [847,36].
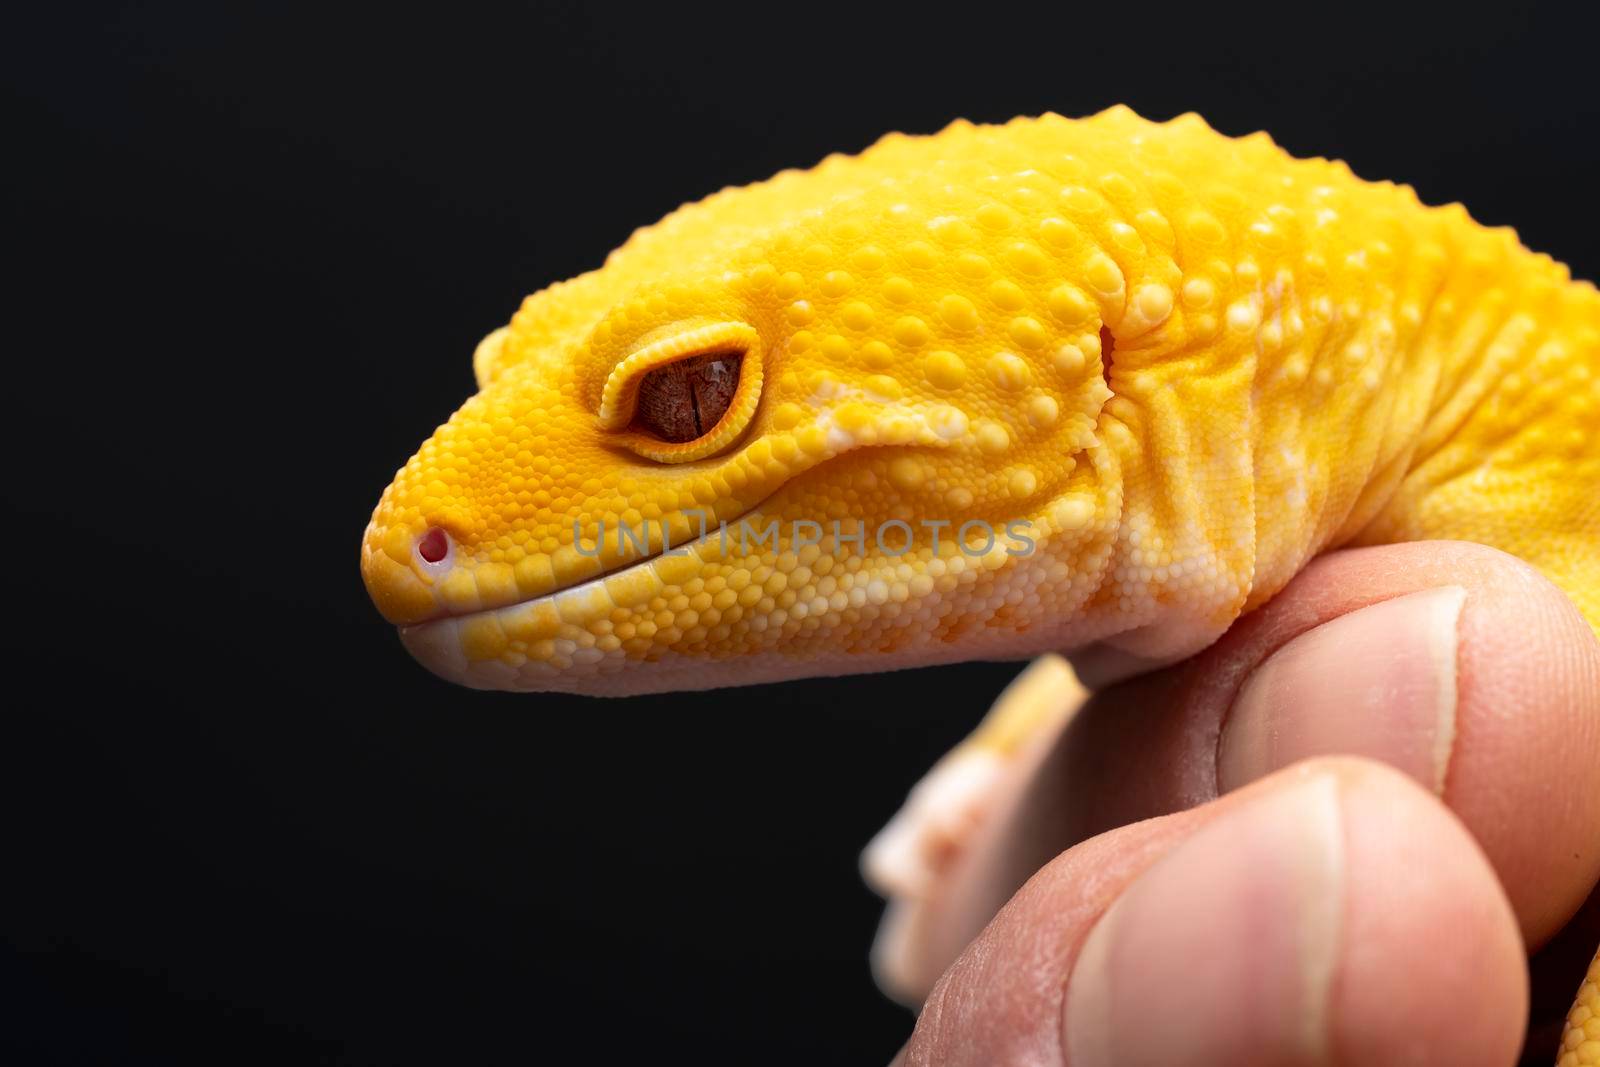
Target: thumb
[1333,912]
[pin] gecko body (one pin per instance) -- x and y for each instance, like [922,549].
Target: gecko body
[1099,385]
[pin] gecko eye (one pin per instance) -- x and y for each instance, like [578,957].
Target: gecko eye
[683,401]
[686,394]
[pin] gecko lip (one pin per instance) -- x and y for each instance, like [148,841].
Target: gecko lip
[437,642]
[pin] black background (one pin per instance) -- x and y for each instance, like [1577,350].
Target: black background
[256,247]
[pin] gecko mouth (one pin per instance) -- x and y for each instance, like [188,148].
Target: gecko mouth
[530,628]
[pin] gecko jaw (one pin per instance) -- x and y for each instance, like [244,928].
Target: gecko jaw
[471,648]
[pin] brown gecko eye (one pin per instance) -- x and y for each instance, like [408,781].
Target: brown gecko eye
[685,400]
[684,393]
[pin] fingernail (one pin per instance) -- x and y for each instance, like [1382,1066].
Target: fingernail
[1377,682]
[1223,951]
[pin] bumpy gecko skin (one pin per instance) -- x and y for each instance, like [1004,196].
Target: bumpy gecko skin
[1580,1045]
[1098,385]
[1186,363]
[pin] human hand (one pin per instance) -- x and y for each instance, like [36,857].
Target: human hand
[1212,888]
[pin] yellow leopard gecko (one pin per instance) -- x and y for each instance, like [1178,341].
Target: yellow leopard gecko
[1099,385]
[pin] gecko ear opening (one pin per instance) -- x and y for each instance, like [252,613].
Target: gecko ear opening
[685,394]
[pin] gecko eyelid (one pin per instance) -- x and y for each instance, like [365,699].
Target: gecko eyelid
[686,395]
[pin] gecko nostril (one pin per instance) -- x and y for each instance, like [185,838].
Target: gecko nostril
[434,545]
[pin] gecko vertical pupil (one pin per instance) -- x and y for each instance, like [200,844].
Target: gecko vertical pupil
[685,400]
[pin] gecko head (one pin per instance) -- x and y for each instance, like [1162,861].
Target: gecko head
[832,422]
